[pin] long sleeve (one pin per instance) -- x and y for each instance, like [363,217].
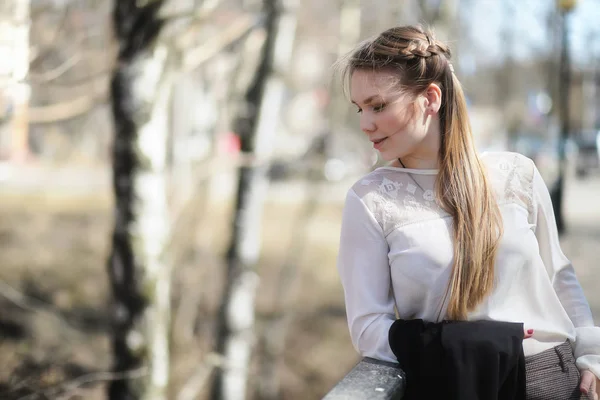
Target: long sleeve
[564,280]
[365,275]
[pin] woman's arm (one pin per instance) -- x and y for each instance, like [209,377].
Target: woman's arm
[564,280]
[365,274]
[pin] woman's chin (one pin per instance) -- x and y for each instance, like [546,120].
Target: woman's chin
[387,156]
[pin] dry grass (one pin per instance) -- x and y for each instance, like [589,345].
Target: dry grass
[55,250]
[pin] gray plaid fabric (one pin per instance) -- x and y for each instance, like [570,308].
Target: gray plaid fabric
[552,375]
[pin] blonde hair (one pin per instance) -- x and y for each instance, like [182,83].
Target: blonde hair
[417,59]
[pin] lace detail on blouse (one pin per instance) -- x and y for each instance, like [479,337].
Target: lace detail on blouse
[398,197]
[511,175]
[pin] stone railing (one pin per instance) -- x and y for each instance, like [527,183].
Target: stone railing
[370,379]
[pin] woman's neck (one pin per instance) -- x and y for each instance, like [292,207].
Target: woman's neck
[426,154]
[415,162]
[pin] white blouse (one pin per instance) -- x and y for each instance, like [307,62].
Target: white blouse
[396,255]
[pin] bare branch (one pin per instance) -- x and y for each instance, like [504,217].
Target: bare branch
[35,53]
[206,170]
[198,15]
[197,381]
[63,111]
[37,306]
[72,386]
[56,72]
[102,73]
[235,31]
[26,302]
[31,304]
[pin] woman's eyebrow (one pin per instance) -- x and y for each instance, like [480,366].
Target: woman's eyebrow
[368,100]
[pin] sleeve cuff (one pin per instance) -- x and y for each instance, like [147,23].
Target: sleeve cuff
[587,349]
[589,362]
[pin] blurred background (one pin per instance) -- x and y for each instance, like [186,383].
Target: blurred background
[172,174]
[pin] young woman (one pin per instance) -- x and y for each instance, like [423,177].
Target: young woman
[445,233]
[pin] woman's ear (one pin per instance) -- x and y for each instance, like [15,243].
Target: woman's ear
[433,94]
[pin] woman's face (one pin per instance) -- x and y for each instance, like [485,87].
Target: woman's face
[397,124]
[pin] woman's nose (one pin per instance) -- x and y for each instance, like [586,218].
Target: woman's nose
[366,124]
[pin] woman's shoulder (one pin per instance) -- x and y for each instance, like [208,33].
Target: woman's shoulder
[395,197]
[373,184]
[508,163]
[389,181]
[511,175]
[509,157]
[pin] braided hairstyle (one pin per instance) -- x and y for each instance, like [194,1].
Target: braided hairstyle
[415,60]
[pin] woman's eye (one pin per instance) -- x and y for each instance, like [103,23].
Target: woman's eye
[378,108]
[358,111]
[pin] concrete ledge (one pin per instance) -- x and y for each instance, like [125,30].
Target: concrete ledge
[370,379]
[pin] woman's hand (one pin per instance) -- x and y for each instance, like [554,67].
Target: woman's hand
[589,385]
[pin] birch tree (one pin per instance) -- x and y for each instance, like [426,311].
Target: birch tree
[257,127]
[138,270]
[506,75]
[20,90]
[140,265]
[275,331]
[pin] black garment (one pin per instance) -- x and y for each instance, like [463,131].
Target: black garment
[461,360]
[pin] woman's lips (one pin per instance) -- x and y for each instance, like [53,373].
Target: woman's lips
[378,143]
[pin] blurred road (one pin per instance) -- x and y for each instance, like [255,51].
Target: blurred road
[581,243]
[68,181]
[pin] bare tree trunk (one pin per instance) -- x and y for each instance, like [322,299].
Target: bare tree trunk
[597,86]
[275,329]
[557,193]
[551,63]
[589,89]
[21,90]
[257,128]
[349,34]
[441,14]
[505,75]
[138,268]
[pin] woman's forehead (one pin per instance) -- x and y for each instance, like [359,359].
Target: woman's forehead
[365,84]
[374,78]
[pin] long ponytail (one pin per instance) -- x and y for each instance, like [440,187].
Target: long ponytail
[464,192]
